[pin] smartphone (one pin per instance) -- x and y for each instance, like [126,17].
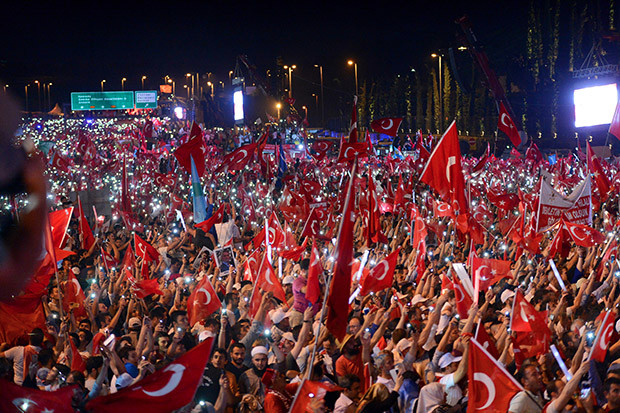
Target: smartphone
[109,342]
[590,338]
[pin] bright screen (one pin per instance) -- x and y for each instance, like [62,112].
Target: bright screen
[238,102]
[595,105]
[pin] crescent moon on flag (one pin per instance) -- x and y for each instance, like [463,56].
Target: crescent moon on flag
[390,123]
[480,270]
[572,231]
[442,207]
[502,119]
[523,312]
[451,161]
[267,278]
[172,384]
[207,295]
[604,341]
[384,270]
[458,292]
[488,383]
[346,151]
[314,230]
[315,259]
[23,401]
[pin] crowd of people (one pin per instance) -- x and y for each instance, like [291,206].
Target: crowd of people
[406,347]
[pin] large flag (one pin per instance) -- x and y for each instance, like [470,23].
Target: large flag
[488,271]
[195,149]
[14,398]
[525,317]
[595,168]
[144,249]
[338,299]
[200,206]
[216,218]
[577,207]
[238,159]
[386,126]
[382,275]
[310,391]
[603,337]
[507,125]
[202,302]
[349,151]
[491,387]
[443,171]
[373,226]
[166,390]
[313,288]
[86,235]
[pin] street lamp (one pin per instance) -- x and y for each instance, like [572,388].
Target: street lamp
[49,95]
[143,79]
[230,76]
[5,86]
[187,76]
[123,80]
[102,82]
[211,86]
[354,64]
[322,96]
[290,79]
[186,87]
[316,101]
[38,92]
[173,85]
[305,110]
[440,77]
[26,88]
[278,106]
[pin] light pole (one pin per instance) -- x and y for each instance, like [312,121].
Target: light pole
[102,82]
[316,102]
[354,64]
[440,77]
[305,108]
[38,92]
[290,79]
[26,88]
[143,79]
[230,76]
[186,87]
[49,95]
[322,96]
[189,87]
[278,106]
[173,85]
[5,86]
[123,80]
[211,86]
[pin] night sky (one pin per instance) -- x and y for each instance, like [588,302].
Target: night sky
[77,46]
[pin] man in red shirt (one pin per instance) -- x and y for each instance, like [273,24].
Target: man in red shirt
[355,353]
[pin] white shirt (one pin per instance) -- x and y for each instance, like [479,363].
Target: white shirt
[453,391]
[16,355]
[342,403]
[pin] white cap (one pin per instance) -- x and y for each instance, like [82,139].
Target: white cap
[259,350]
[277,315]
[205,335]
[134,322]
[506,294]
[448,359]
[289,336]
[75,270]
[288,280]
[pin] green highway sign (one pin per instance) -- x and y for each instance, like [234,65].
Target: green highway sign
[101,100]
[146,99]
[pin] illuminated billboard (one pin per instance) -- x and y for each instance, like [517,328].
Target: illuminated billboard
[595,105]
[238,105]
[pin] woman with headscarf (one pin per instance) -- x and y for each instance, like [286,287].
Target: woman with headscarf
[379,399]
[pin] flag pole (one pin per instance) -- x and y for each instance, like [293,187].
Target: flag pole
[325,296]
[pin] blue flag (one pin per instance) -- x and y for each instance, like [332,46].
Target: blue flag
[200,206]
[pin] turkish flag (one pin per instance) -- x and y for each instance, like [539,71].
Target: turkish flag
[373,226]
[312,227]
[58,161]
[237,159]
[443,171]
[603,337]
[338,299]
[595,168]
[86,235]
[583,235]
[195,148]
[526,318]
[85,147]
[313,288]
[614,126]
[168,389]
[482,161]
[73,296]
[442,209]
[382,275]
[216,218]
[506,202]
[320,148]
[295,252]
[19,315]
[268,280]
[486,341]
[77,362]
[507,125]
[144,249]
[202,302]
[490,386]
[463,299]
[488,271]
[146,287]
[348,151]
[147,130]
[533,153]
[14,398]
[162,180]
[419,228]
[311,390]
[108,260]
[387,126]
[59,222]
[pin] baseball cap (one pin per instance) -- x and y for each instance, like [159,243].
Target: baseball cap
[134,322]
[506,294]
[289,336]
[277,315]
[448,359]
[288,280]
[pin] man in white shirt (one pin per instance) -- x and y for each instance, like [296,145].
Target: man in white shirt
[350,394]
[23,357]
[529,400]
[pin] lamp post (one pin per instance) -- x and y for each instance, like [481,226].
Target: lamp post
[186,87]
[173,85]
[290,79]
[143,79]
[316,102]
[440,77]
[38,92]
[305,108]
[211,86]
[5,86]
[354,64]
[278,106]
[102,82]
[26,88]
[123,80]
[49,95]
[322,96]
